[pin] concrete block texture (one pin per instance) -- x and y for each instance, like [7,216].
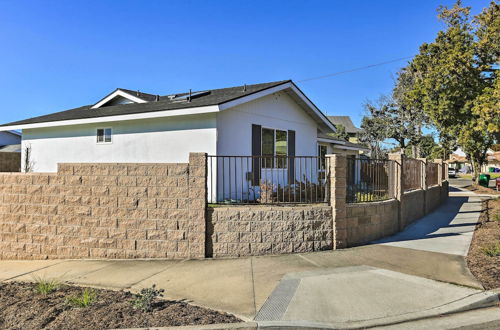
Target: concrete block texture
[259,230]
[105,211]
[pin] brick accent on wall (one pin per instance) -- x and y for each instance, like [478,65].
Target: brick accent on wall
[105,211]
[10,161]
[260,230]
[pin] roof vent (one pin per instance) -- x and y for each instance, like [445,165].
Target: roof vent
[245,87]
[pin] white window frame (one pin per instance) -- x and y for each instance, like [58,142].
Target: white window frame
[104,129]
[274,166]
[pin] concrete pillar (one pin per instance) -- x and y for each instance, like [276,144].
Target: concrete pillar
[397,183]
[440,171]
[197,185]
[424,182]
[338,192]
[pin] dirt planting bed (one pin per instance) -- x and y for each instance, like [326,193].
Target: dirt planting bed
[21,307]
[484,258]
[482,190]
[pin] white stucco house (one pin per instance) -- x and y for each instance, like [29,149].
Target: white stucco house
[135,127]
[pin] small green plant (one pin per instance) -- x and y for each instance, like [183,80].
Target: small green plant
[497,217]
[493,250]
[85,299]
[45,286]
[144,300]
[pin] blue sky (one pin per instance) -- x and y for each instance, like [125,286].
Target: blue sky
[57,55]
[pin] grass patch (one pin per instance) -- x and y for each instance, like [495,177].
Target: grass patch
[85,299]
[45,286]
[493,250]
[493,176]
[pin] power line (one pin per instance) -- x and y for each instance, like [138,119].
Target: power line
[355,69]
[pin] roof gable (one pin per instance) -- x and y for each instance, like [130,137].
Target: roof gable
[123,96]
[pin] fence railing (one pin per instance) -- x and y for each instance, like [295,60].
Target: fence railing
[267,179]
[431,174]
[412,169]
[368,180]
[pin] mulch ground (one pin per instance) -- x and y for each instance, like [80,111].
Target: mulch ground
[23,308]
[485,268]
[482,190]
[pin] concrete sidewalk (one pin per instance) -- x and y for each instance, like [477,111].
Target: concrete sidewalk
[330,287]
[449,229]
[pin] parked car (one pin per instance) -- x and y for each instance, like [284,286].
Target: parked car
[452,173]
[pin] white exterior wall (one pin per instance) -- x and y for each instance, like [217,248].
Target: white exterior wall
[168,139]
[277,111]
[234,138]
[7,138]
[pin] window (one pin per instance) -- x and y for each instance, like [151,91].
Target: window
[104,135]
[274,146]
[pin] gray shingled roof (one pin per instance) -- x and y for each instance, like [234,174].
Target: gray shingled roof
[213,97]
[346,122]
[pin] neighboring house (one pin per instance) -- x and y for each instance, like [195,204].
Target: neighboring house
[459,161]
[10,141]
[274,119]
[350,129]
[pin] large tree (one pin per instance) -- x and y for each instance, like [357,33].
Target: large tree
[456,79]
[411,109]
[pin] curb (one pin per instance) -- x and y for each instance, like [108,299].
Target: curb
[236,326]
[474,301]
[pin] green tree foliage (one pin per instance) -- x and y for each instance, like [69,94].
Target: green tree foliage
[456,79]
[387,119]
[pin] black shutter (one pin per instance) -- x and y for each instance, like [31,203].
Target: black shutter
[256,151]
[291,154]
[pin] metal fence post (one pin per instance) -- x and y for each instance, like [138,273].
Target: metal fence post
[338,186]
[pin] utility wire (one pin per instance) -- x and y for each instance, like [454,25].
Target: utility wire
[355,69]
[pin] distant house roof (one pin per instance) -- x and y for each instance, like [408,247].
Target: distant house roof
[346,122]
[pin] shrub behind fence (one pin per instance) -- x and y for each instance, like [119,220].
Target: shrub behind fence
[368,180]
[267,179]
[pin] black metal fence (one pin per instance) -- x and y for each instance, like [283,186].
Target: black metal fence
[267,179]
[412,169]
[369,180]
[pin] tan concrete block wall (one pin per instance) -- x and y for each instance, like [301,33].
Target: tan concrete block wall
[412,206]
[105,211]
[261,230]
[10,161]
[370,221]
[433,198]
